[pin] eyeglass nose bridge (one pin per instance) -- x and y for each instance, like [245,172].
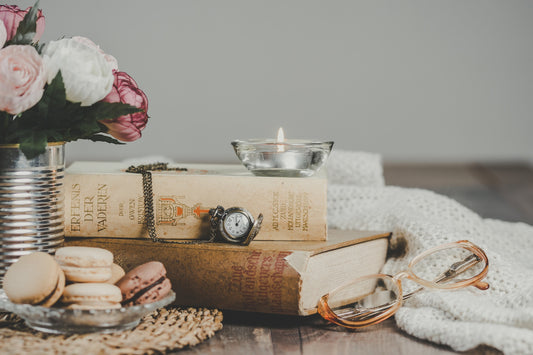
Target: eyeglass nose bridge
[405,274]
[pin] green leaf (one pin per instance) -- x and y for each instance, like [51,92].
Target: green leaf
[87,128]
[109,110]
[33,144]
[27,28]
[54,98]
[39,47]
[104,138]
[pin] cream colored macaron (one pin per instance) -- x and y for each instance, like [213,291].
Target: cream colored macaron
[85,264]
[36,279]
[117,272]
[91,296]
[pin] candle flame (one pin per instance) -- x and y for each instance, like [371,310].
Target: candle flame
[281,135]
[281,139]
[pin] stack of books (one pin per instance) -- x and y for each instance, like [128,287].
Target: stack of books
[293,261]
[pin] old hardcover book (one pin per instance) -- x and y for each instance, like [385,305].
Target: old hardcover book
[266,276]
[102,200]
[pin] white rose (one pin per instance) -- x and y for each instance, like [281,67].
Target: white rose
[109,58]
[87,75]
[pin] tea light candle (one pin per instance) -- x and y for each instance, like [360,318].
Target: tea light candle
[282,157]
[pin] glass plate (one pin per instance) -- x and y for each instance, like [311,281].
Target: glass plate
[63,320]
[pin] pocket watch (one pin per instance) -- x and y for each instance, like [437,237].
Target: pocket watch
[234,225]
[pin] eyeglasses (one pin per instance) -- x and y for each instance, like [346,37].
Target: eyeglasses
[372,299]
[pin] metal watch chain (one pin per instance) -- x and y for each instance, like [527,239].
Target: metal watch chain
[149,217]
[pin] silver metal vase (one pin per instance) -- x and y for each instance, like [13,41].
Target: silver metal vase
[31,202]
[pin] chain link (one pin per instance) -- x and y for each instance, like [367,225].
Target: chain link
[149,218]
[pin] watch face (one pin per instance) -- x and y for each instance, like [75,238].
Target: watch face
[237,224]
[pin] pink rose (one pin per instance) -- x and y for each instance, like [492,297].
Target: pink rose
[11,15]
[127,128]
[22,78]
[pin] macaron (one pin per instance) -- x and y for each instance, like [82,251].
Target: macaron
[144,284]
[85,264]
[35,279]
[91,296]
[116,274]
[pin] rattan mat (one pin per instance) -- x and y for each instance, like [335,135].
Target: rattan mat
[164,330]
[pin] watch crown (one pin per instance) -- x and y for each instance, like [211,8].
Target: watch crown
[216,212]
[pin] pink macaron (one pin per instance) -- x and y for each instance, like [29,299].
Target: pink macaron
[144,284]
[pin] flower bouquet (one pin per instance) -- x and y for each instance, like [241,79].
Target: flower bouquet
[63,90]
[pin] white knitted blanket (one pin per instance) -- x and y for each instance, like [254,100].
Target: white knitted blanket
[501,317]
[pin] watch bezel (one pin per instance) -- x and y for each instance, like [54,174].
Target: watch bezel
[222,227]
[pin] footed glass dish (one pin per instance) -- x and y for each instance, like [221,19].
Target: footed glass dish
[70,321]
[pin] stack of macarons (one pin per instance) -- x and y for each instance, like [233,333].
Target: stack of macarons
[89,270]
[83,278]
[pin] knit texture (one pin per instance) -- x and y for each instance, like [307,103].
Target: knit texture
[501,317]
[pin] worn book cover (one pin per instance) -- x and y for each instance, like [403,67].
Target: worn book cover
[266,276]
[102,200]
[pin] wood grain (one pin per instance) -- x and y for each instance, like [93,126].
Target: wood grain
[515,184]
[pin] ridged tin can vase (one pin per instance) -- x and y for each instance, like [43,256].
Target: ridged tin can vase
[31,202]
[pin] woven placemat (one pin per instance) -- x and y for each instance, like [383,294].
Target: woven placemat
[164,330]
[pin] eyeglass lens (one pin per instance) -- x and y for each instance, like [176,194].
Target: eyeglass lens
[448,266]
[364,298]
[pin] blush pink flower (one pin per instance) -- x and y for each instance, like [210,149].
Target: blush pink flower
[127,128]
[22,78]
[11,15]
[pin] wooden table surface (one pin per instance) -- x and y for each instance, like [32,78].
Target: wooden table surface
[494,191]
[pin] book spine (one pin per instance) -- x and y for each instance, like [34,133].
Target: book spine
[241,279]
[112,205]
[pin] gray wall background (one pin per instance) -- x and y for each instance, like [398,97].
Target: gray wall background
[421,81]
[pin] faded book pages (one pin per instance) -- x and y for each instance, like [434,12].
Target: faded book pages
[324,272]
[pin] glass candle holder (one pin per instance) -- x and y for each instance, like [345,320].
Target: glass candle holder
[290,158]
